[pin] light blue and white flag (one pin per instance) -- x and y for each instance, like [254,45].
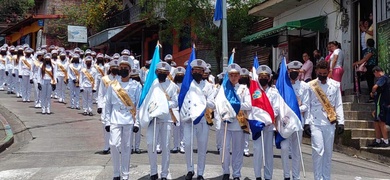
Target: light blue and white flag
[218,13]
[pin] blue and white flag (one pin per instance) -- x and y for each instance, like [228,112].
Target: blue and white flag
[218,13]
[227,102]
[192,106]
[151,104]
[262,113]
[289,119]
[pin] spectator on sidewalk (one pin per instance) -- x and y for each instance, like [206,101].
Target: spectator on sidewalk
[307,68]
[370,58]
[336,63]
[381,93]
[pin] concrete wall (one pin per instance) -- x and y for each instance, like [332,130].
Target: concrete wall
[336,32]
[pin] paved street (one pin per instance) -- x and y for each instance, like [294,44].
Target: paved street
[67,145]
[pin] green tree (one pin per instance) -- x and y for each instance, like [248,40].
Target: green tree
[94,14]
[173,15]
[14,11]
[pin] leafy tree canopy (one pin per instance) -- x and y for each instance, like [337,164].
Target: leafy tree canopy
[13,11]
[199,13]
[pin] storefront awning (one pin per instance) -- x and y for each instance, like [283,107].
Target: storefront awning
[311,24]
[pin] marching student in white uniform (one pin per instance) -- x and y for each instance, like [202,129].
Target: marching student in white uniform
[178,130]
[112,75]
[163,126]
[9,70]
[99,67]
[136,138]
[36,66]
[17,77]
[121,101]
[3,61]
[272,93]
[234,133]
[74,81]
[25,63]
[211,78]
[301,90]
[198,126]
[62,74]
[54,58]
[47,76]
[217,118]
[322,118]
[88,85]
[245,80]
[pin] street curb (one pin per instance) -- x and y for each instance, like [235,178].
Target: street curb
[9,138]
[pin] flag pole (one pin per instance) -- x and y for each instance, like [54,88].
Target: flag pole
[224,142]
[262,145]
[154,134]
[224,36]
[192,142]
[300,151]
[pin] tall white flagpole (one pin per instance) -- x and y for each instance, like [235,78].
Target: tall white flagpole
[224,36]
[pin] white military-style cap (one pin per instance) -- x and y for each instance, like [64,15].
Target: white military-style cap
[75,55]
[52,47]
[207,70]
[88,51]
[233,68]
[179,70]
[116,56]
[29,50]
[134,72]
[100,55]
[294,65]
[148,62]
[88,58]
[221,75]
[44,46]
[114,63]
[47,56]
[77,49]
[173,64]
[125,62]
[39,53]
[20,48]
[163,66]
[208,65]
[62,53]
[125,52]
[186,63]
[168,56]
[3,48]
[54,51]
[93,53]
[244,72]
[198,63]
[264,69]
[106,56]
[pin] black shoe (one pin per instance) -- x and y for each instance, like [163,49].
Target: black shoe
[287,178]
[259,178]
[163,178]
[289,156]
[236,178]
[137,151]
[189,175]
[90,114]
[200,178]
[154,177]
[85,113]
[374,144]
[383,144]
[159,152]
[225,177]
[116,178]
[106,151]
[247,154]
[174,150]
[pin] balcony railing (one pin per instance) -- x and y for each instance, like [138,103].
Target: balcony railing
[127,16]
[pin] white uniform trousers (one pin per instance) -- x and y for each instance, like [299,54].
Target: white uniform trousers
[95,95]
[120,135]
[45,94]
[25,87]
[74,95]
[178,135]
[286,145]
[9,80]
[219,138]
[268,134]
[163,130]
[201,132]
[2,78]
[235,142]
[87,99]
[37,94]
[246,143]
[136,139]
[322,138]
[18,89]
[106,136]
[61,87]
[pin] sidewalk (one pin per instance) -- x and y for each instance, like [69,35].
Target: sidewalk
[6,135]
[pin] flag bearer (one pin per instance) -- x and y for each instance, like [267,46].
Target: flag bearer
[237,99]
[178,130]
